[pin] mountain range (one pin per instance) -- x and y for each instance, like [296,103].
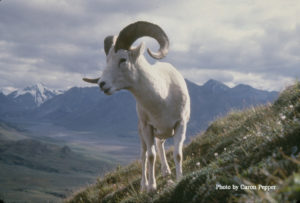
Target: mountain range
[88,109]
[56,141]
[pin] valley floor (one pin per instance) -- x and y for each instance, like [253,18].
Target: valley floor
[42,162]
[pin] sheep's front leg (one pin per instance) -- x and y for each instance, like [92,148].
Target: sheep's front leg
[151,156]
[165,169]
[144,181]
[179,138]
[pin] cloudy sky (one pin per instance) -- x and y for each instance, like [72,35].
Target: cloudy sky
[57,42]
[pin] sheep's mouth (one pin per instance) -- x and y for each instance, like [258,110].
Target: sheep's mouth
[110,90]
[107,91]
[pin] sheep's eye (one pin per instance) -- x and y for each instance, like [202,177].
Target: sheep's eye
[122,60]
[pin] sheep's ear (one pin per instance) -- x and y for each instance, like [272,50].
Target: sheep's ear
[109,41]
[137,51]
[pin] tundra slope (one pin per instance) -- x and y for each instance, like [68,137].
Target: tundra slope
[258,146]
[163,102]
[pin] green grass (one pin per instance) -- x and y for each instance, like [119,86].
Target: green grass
[258,146]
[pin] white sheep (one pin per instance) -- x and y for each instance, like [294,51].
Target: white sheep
[162,98]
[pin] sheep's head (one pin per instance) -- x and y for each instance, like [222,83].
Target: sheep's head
[121,68]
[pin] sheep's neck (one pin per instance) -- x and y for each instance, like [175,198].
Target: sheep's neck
[150,89]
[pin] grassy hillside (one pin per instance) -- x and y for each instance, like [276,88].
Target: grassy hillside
[250,149]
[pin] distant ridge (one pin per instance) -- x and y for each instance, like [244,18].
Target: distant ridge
[215,85]
[88,109]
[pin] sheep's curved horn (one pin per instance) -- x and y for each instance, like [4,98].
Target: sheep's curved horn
[91,80]
[108,42]
[141,29]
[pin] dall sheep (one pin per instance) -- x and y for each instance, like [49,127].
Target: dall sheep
[162,98]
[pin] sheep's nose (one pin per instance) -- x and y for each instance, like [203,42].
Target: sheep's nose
[101,84]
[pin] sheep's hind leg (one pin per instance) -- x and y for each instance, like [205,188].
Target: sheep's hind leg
[144,181]
[179,138]
[151,156]
[165,169]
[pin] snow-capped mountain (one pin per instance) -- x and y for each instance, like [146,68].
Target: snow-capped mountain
[7,90]
[33,96]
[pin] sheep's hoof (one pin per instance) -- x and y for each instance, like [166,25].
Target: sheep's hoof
[179,177]
[144,187]
[166,172]
[151,188]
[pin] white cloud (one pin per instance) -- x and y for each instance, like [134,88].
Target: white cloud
[250,41]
